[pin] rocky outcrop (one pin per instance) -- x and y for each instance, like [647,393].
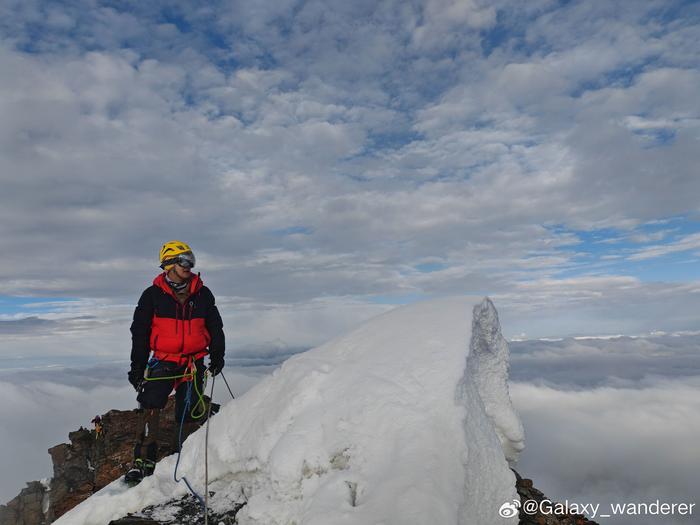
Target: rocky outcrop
[28,508]
[529,493]
[184,511]
[89,462]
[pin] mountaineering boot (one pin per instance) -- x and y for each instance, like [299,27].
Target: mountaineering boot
[148,467]
[135,474]
[140,469]
[151,458]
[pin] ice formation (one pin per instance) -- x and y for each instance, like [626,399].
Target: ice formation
[405,420]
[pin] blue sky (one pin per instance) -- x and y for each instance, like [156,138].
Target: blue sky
[611,251]
[330,160]
[27,305]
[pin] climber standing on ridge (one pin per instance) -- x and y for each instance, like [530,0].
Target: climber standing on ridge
[176,324]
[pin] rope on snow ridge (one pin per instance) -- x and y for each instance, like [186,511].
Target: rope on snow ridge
[204,502]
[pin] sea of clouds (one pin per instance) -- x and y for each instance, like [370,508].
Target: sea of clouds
[607,420]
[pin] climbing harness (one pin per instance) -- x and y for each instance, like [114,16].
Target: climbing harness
[189,376]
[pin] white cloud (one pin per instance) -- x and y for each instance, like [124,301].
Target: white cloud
[387,133]
[95,333]
[608,361]
[597,305]
[39,415]
[613,445]
[610,420]
[606,420]
[684,244]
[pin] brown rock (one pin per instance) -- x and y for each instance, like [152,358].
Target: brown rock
[129,520]
[87,464]
[26,508]
[525,483]
[527,491]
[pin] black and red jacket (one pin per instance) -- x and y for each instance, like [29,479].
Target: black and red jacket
[176,332]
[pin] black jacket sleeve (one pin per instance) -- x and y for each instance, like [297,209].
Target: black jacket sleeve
[215,327]
[141,331]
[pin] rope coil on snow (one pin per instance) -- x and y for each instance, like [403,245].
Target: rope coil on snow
[179,446]
[204,502]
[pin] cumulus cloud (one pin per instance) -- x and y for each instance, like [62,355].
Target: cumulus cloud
[309,150]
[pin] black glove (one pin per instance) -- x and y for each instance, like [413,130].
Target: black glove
[216,363]
[136,377]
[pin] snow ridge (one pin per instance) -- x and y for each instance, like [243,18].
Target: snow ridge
[405,421]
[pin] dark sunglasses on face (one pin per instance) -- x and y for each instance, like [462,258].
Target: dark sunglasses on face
[186,260]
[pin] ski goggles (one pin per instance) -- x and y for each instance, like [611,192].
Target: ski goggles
[186,260]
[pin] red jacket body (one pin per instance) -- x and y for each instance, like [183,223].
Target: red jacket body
[175,331]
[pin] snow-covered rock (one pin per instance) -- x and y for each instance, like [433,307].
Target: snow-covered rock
[405,420]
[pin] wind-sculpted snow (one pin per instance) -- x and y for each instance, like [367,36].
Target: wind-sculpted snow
[397,422]
[488,367]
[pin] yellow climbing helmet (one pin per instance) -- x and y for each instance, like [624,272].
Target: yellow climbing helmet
[171,251]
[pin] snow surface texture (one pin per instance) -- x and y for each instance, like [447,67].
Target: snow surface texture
[406,420]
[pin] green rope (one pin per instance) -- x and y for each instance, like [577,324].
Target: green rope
[200,396]
[168,377]
[200,400]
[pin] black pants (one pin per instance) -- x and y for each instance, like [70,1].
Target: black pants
[154,396]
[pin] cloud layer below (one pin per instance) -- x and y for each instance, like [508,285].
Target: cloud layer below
[606,420]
